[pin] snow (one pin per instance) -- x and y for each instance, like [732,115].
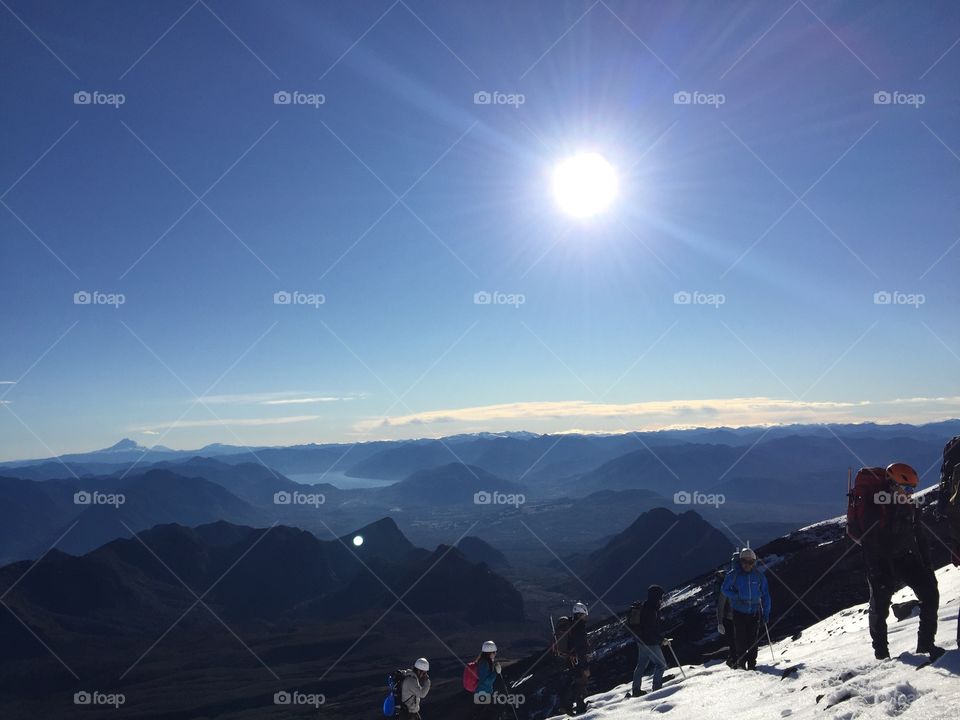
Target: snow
[833,660]
[683,594]
[825,523]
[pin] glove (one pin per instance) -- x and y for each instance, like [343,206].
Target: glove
[721,629]
[496,668]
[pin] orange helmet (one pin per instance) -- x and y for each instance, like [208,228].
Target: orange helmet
[903,474]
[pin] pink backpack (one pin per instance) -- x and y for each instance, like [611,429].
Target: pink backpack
[470,677]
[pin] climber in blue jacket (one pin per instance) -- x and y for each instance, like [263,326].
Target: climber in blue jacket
[746,587]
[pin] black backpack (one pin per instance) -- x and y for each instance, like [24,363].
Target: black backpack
[635,615]
[950,487]
[561,638]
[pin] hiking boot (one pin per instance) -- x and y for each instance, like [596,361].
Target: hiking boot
[731,663]
[881,654]
[934,651]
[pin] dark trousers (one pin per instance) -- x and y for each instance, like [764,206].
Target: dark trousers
[746,628]
[905,571]
[576,687]
[487,712]
[730,635]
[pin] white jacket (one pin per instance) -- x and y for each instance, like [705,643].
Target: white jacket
[412,692]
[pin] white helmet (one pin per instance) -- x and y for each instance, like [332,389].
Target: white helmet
[748,554]
[580,609]
[489,646]
[422,664]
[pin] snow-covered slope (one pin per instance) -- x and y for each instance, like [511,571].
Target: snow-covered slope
[833,675]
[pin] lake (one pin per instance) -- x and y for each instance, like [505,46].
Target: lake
[338,480]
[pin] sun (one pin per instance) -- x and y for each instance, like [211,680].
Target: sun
[585,184]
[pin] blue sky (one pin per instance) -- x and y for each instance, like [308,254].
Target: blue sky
[397,199]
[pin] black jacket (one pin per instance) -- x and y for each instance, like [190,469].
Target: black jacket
[578,644]
[650,628]
[901,536]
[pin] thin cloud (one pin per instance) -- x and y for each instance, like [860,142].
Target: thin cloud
[302,400]
[662,414]
[229,422]
[271,398]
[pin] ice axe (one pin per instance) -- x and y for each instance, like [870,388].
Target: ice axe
[507,694]
[669,643]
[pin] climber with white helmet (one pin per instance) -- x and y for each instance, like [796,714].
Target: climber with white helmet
[578,668]
[414,688]
[487,671]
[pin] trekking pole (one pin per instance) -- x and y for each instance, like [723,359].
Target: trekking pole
[769,643]
[675,658]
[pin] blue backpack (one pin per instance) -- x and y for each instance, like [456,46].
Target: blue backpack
[391,704]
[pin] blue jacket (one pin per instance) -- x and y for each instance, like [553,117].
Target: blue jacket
[487,675]
[748,591]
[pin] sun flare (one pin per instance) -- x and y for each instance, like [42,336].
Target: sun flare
[585,185]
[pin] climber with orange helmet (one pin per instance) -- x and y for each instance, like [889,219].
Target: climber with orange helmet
[896,554]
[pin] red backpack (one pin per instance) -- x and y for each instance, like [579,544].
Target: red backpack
[863,509]
[471,678]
